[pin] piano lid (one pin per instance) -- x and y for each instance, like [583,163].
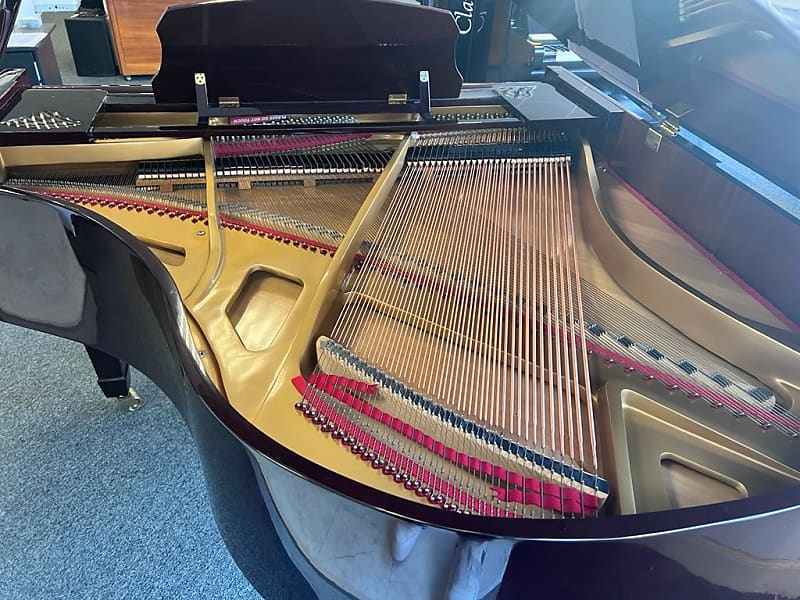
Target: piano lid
[306,50]
[8,17]
[725,69]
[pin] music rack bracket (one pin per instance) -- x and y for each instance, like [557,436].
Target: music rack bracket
[217,115]
[425,94]
[229,109]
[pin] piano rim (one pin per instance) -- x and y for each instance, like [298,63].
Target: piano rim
[243,432]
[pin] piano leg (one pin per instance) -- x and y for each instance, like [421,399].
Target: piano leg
[114,377]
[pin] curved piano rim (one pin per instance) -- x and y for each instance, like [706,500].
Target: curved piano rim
[588,529]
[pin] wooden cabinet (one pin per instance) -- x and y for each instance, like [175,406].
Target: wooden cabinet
[133,26]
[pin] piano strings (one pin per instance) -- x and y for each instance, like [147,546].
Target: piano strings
[463,329]
[616,332]
[302,189]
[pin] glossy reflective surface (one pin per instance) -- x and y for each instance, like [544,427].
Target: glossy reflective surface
[282,51]
[115,296]
[108,282]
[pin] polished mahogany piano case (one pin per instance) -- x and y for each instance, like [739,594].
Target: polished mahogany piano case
[134,220]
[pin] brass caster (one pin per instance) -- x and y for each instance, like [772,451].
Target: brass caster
[132,401]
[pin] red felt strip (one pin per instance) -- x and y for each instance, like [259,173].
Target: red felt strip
[321,380]
[563,504]
[225,220]
[285,144]
[776,312]
[402,462]
[549,490]
[70,195]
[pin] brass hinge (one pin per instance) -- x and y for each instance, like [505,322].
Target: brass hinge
[398,98]
[228,102]
[672,123]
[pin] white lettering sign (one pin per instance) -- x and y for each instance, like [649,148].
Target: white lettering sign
[464,17]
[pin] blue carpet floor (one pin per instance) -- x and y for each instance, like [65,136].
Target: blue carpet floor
[95,501]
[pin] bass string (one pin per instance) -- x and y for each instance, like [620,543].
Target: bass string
[348,318]
[553,348]
[560,339]
[388,289]
[416,249]
[426,248]
[426,358]
[475,196]
[451,313]
[543,296]
[466,177]
[548,242]
[581,327]
[505,406]
[428,303]
[513,317]
[563,380]
[531,350]
[572,387]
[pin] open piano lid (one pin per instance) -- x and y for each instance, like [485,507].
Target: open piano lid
[8,17]
[314,50]
[725,69]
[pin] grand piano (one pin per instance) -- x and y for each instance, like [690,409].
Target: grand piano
[445,339]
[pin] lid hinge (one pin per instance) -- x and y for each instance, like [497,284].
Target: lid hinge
[671,124]
[668,125]
[228,102]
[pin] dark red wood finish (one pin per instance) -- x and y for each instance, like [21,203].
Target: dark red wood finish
[261,51]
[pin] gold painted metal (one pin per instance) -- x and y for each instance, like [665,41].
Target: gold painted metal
[169,254]
[261,307]
[713,328]
[644,428]
[184,253]
[386,117]
[112,151]
[277,415]
[255,308]
[691,484]
[215,249]
[248,375]
[278,419]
